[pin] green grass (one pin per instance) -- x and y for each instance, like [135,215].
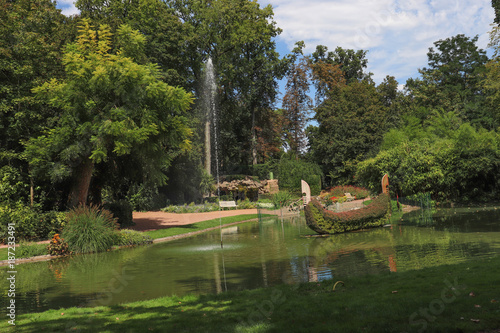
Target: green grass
[436,299]
[198,226]
[25,250]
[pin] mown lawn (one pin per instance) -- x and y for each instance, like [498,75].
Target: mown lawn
[452,298]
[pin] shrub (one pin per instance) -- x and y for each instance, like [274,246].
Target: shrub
[246,204]
[58,246]
[282,199]
[30,223]
[326,222]
[122,210]
[292,171]
[127,237]
[89,229]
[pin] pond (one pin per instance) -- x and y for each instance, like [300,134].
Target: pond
[256,254]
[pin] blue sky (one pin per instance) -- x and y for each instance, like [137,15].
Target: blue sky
[397,34]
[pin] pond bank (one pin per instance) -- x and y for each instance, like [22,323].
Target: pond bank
[170,232]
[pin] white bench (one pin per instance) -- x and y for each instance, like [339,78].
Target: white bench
[227,204]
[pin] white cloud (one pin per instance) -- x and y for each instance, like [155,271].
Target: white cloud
[397,33]
[67,7]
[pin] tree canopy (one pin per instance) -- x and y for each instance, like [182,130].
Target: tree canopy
[110,106]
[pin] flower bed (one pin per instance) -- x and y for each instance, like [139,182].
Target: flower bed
[324,221]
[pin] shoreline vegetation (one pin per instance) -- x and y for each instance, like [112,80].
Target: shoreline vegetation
[458,298]
[36,250]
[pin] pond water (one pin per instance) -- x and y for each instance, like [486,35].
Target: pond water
[256,254]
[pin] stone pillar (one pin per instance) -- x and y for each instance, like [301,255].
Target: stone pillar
[306,190]
[385,184]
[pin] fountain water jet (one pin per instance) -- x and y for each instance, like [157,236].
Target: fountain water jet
[210,90]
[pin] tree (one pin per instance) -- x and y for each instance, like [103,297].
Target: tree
[492,76]
[453,80]
[351,123]
[496,8]
[352,63]
[238,37]
[296,103]
[111,107]
[32,34]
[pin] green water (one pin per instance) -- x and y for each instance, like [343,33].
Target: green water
[256,254]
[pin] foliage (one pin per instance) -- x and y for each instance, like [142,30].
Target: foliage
[296,104]
[30,223]
[206,207]
[351,63]
[351,123]
[496,8]
[291,171]
[122,211]
[126,237]
[339,191]
[282,199]
[89,229]
[462,165]
[246,204]
[32,35]
[326,222]
[452,81]
[112,107]
[58,246]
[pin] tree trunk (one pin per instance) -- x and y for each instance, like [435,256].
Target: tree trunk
[254,139]
[81,183]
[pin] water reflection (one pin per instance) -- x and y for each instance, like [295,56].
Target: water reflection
[255,255]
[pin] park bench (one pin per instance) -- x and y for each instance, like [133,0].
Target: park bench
[227,204]
[349,196]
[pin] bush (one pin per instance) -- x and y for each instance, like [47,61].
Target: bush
[246,204]
[292,171]
[128,237]
[30,223]
[58,246]
[282,199]
[89,229]
[122,210]
[326,222]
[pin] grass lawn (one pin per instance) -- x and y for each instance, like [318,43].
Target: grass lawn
[160,233]
[26,250]
[453,298]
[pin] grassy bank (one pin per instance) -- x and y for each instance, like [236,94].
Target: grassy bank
[27,250]
[174,231]
[452,298]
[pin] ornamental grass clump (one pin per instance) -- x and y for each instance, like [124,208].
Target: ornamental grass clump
[89,229]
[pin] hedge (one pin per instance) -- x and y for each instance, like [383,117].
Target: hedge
[324,221]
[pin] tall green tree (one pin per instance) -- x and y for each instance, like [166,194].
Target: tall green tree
[352,63]
[112,107]
[297,104]
[32,34]
[351,123]
[452,81]
[496,8]
[239,38]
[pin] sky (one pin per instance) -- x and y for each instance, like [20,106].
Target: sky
[396,33]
